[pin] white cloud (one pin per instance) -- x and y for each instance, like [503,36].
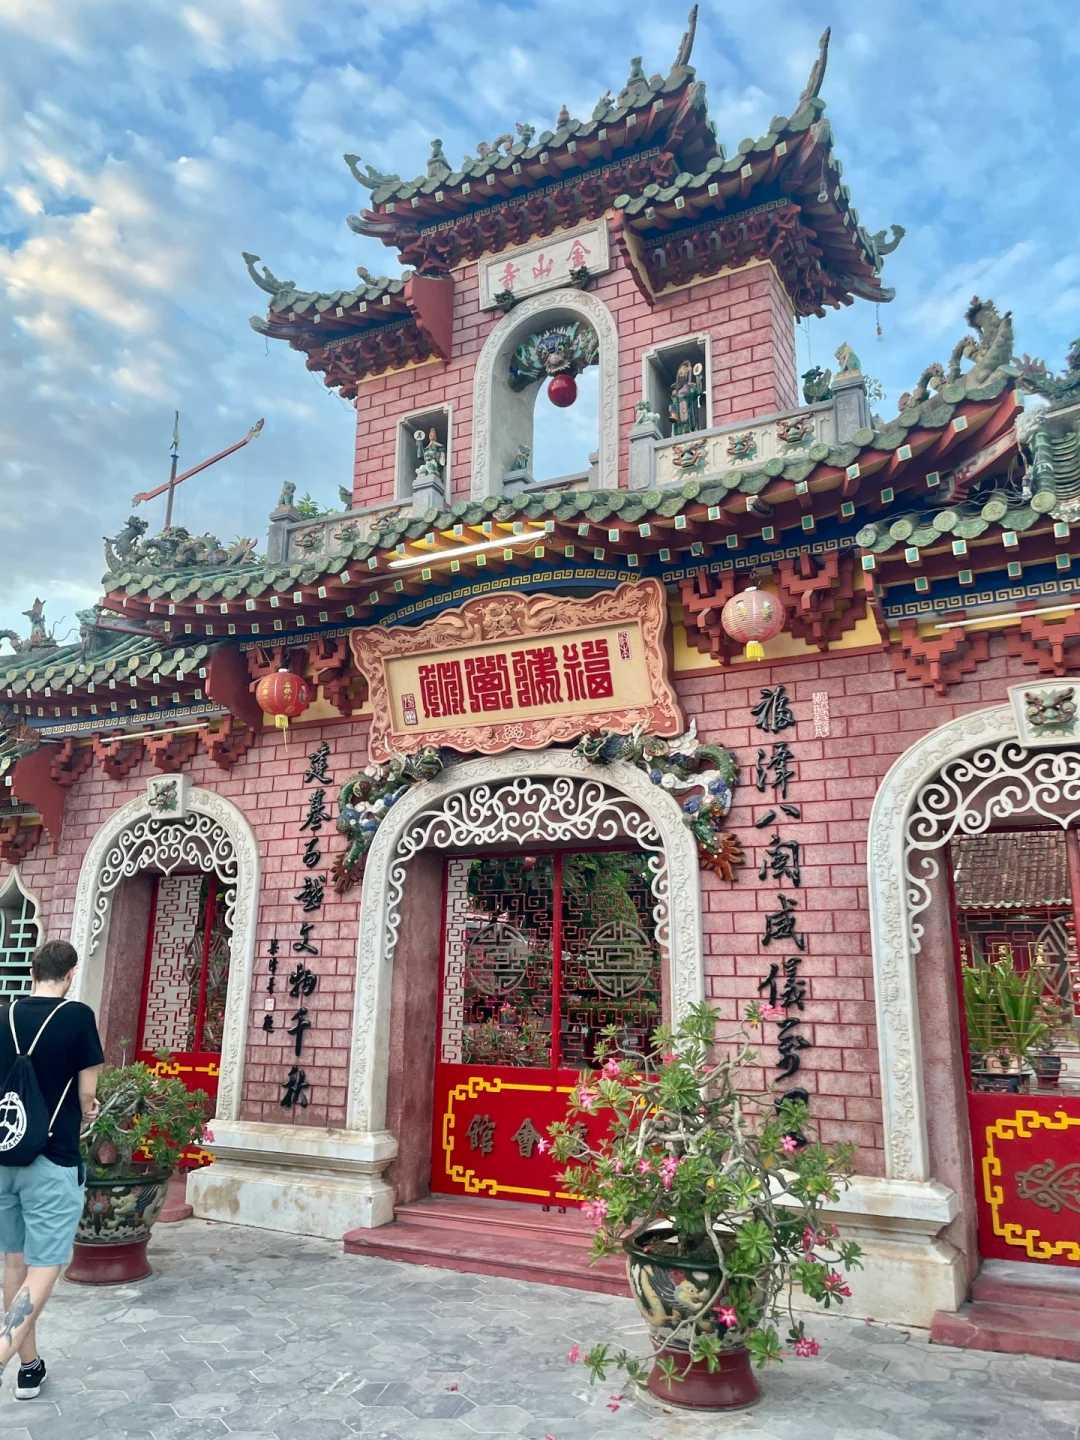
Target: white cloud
[144,144]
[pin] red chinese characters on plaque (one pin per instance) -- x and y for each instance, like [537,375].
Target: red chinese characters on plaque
[521,671]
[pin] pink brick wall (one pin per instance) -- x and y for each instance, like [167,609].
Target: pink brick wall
[266,786]
[747,314]
[875,716]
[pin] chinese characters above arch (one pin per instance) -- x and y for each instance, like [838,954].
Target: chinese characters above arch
[517,671]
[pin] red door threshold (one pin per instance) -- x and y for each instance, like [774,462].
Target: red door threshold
[493,1237]
[1017,1309]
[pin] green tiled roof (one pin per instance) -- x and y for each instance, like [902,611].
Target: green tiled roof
[636,507]
[782,129]
[639,94]
[120,660]
[1053,483]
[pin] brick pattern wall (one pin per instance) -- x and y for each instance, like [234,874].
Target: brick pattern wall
[747,314]
[875,716]
[267,787]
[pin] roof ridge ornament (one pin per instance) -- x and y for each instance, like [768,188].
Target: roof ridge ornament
[267,280]
[817,73]
[438,167]
[369,177]
[686,45]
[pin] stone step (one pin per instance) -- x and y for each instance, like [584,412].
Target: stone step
[1051,1333]
[1049,1287]
[542,1250]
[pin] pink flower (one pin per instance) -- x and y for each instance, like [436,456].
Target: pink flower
[809,1238]
[543,1146]
[208,1135]
[807,1348]
[615,1403]
[834,1284]
[644,1167]
[574,1354]
[669,1059]
[611,1069]
[594,1210]
[726,1315]
[668,1166]
[773,1012]
[586,1098]
[618,1167]
[788,1144]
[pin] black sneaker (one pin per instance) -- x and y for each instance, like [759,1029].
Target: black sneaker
[30,1380]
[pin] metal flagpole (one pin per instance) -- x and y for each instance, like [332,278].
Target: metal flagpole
[175,452]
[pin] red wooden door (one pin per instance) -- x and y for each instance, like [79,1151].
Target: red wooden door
[184,986]
[541,953]
[1015,903]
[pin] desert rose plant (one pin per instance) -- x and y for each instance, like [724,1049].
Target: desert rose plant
[145,1121]
[716,1196]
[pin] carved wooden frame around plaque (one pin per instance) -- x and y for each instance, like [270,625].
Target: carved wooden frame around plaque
[636,612]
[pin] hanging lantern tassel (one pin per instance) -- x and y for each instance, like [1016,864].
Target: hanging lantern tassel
[751,618]
[284,696]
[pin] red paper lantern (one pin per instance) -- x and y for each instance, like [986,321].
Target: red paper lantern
[562,390]
[283,695]
[751,618]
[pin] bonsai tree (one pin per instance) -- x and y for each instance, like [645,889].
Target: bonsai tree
[716,1196]
[145,1123]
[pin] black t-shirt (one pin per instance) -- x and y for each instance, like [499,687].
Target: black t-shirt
[70,1044]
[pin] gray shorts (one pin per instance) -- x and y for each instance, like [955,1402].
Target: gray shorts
[40,1206]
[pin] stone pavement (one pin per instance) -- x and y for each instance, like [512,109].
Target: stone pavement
[258,1336]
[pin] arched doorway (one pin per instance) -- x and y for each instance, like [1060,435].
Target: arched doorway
[972,779]
[113,926]
[518,804]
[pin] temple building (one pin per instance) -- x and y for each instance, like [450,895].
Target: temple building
[767,697]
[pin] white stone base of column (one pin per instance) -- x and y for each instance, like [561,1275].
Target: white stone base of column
[301,1180]
[908,1271]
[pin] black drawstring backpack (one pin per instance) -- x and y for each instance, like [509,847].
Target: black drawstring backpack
[25,1124]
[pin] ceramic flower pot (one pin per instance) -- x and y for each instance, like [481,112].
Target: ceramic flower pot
[670,1288]
[1047,1067]
[118,1212]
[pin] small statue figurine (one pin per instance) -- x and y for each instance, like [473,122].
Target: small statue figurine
[847,360]
[817,385]
[686,409]
[430,455]
[287,496]
[520,462]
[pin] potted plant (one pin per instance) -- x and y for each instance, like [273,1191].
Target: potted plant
[1009,1022]
[717,1199]
[130,1149]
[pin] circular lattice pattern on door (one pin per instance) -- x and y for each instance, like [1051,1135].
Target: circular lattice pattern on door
[497,957]
[618,959]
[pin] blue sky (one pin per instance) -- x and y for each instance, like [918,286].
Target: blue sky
[144,144]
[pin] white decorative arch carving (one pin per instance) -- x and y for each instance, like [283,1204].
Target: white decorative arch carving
[935,790]
[553,795]
[213,836]
[493,447]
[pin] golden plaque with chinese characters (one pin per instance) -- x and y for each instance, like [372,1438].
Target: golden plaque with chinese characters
[518,671]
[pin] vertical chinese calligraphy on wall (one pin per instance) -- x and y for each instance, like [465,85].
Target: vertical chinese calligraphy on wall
[783,990]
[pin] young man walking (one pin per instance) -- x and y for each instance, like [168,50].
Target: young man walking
[41,1202]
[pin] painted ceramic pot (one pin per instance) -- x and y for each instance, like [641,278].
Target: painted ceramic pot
[670,1288]
[110,1243]
[124,1209]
